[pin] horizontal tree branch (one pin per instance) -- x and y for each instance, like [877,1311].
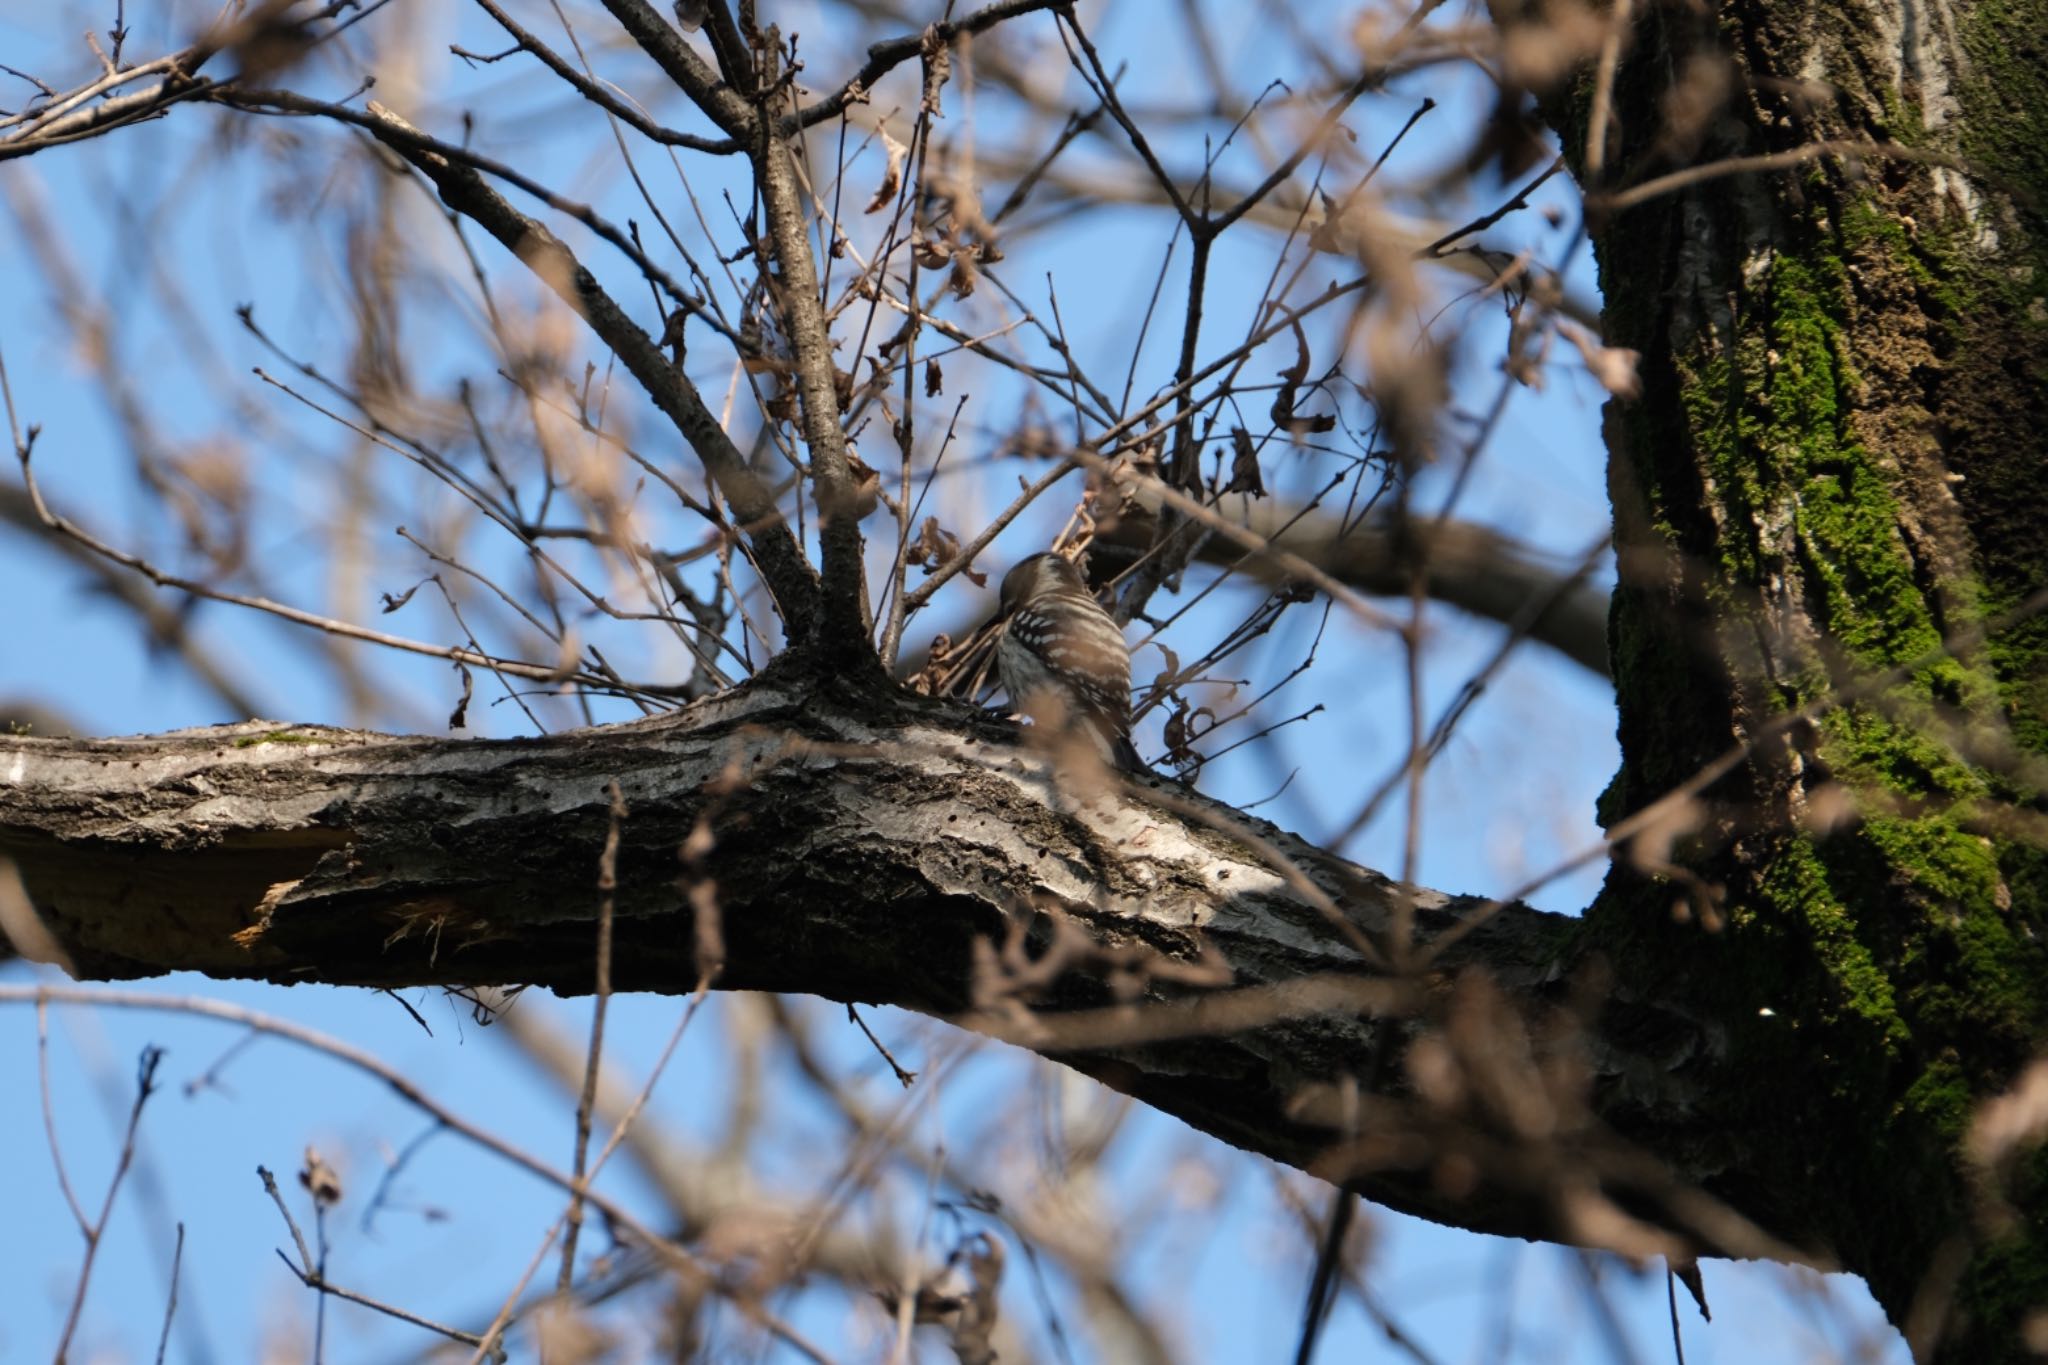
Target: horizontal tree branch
[863,845]
[1474,568]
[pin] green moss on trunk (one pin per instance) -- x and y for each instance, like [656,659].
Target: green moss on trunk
[1838,462]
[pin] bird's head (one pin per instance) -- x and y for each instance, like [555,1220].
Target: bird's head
[1041,573]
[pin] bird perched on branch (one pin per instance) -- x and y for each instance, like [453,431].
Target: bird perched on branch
[1063,660]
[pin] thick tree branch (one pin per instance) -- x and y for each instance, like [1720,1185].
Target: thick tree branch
[843,622]
[693,75]
[1471,567]
[895,850]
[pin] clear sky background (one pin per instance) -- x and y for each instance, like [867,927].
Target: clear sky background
[1227,1266]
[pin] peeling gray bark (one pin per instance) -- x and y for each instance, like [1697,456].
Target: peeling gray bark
[867,846]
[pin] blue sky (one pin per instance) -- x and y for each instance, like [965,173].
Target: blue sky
[1226,1267]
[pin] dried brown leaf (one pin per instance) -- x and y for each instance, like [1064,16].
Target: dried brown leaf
[321,1180]
[1244,465]
[892,174]
[1614,367]
[962,276]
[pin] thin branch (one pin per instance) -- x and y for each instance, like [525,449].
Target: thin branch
[673,1257]
[940,577]
[50,1119]
[64,122]
[291,1223]
[1104,88]
[1603,90]
[145,1086]
[625,1126]
[841,623]
[1324,126]
[598,95]
[607,884]
[1537,606]
[393,131]
[1621,200]
[163,1340]
[314,1276]
[1291,564]
[24,445]
[775,550]
[166,625]
[884,57]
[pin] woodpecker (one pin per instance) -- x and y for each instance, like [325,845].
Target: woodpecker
[1063,659]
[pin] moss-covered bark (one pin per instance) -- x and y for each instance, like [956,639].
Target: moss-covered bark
[1837,464]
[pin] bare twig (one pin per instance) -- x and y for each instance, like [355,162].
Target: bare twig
[598,95]
[163,1340]
[607,884]
[145,1086]
[1621,200]
[313,1275]
[620,1131]
[775,549]
[167,626]
[672,1256]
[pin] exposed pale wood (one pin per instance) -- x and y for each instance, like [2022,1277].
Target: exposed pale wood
[867,846]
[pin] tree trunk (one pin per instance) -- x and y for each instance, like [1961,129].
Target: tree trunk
[1837,465]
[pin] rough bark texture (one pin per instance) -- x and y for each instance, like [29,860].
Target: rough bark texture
[1836,464]
[866,846]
